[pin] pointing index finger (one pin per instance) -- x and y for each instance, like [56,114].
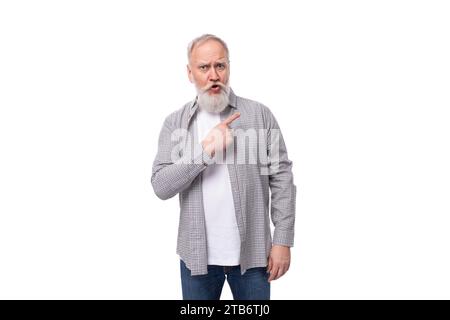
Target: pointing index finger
[231,118]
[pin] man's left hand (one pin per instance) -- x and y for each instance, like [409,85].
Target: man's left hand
[279,261]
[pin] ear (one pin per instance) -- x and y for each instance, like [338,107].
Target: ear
[189,73]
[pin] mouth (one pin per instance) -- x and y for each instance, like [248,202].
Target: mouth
[215,88]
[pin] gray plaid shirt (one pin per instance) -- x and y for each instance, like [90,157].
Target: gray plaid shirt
[178,168]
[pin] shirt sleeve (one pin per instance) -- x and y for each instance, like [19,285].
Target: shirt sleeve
[174,168]
[281,183]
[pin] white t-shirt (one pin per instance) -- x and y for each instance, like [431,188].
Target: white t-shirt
[222,233]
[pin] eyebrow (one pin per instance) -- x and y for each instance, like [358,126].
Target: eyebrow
[219,61]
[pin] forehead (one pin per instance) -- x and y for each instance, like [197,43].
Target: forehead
[208,50]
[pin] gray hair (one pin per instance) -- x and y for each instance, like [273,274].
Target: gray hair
[203,38]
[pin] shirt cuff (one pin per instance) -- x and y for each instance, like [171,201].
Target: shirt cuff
[283,238]
[201,156]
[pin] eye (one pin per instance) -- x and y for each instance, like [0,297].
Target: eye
[203,67]
[220,66]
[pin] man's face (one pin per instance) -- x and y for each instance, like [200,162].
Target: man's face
[209,66]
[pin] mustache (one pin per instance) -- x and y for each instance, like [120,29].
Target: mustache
[210,85]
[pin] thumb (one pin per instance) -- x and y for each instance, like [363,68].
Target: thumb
[269,266]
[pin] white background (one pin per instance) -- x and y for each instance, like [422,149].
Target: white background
[359,88]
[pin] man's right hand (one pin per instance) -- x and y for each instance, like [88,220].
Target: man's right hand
[220,137]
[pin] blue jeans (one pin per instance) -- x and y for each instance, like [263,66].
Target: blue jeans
[252,285]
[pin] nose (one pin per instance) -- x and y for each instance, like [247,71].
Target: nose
[213,76]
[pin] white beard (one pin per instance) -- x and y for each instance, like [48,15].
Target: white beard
[215,103]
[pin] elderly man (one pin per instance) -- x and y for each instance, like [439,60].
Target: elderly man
[206,154]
